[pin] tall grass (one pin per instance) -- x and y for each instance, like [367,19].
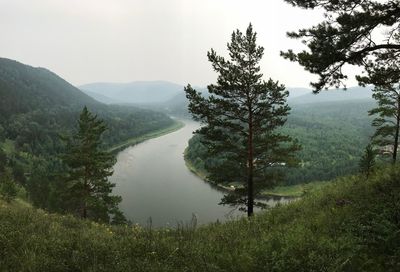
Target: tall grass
[350,225]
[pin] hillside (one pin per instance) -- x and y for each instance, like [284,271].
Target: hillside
[332,135]
[350,225]
[24,88]
[138,92]
[36,105]
[102,98]
[38,109]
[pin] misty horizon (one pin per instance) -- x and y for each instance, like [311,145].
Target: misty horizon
[129,41]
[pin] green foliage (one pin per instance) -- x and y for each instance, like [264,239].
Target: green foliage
[153,134]
[8,188]
[384,73]
[89,190]
[242,116]
[367,161]
[352,224]
[346,36]
[332,135]
[388,119]
[41,185]
[3,160]
[36,107]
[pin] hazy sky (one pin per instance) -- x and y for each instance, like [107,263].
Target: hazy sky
[127,40]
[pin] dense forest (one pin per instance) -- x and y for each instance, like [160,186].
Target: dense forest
[39,110]
[332,136]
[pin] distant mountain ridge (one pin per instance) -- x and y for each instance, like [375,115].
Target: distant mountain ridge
[140,92]
[333,95]
[167,95]
[175,103]
[298,91]
[102,98]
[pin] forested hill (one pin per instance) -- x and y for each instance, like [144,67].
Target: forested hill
[24,88]
[332,134]
[36,106]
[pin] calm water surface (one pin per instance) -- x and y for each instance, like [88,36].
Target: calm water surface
[154,183]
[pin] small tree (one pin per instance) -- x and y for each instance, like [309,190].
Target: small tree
[384,73]
[367,162]
[388,120]
[8,187]
[242,116]
[3,160]
[89,168]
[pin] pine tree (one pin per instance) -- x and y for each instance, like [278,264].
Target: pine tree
[3,160]
[388,120]
[367,162]
[346,36]
[89,190]
[241,117]
[384,73]
[8,187]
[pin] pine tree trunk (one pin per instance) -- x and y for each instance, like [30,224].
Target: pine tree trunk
[84,205]
[396,142]
[250,198]
[250,189]
[396,136]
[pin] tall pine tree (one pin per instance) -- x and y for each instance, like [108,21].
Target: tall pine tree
[241,117]
[89,166]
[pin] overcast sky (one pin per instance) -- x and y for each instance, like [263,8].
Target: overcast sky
[88,41]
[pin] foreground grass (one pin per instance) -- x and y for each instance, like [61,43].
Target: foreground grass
[349,225]
[154,134]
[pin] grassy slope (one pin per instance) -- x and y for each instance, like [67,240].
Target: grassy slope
[349,225]
[297,190]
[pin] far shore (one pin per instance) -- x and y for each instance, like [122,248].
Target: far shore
[177,124]
[288,191]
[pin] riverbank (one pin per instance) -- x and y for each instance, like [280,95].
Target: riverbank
[290,191]
[202,175]
[154,134]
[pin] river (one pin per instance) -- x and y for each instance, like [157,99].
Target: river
[154,182]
